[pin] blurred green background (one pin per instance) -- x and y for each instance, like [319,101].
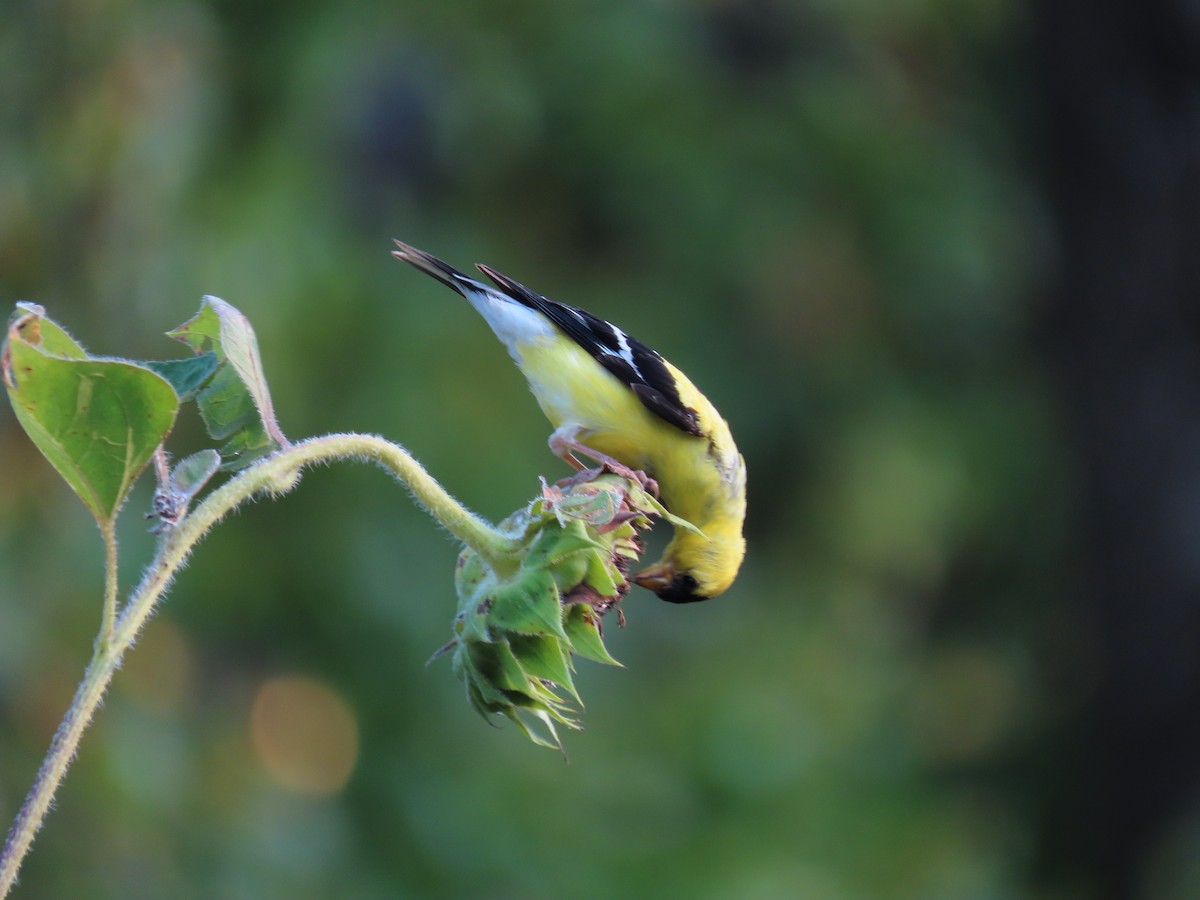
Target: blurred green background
[836,217]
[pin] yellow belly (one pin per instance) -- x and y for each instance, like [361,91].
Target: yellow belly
[574,390]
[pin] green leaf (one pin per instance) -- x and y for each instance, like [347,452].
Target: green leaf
[553,545]
[230,415]
[474,622]
[646,500]
[600,576]
[567,573]
[236,404]
[469,573]
[193,472]
[512,676]
[583,631]
[528,606]
[481,684]
[553,742]
[227,407]
[185,375]
[594,503]
[97,421]
[241,349]
[201,330]
[541,698]
[496,664]
[34,328]
[541,656]
[483,697]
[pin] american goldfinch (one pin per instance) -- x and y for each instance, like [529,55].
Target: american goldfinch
[615,400]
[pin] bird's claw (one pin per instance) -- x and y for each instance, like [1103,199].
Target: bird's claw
[608,464]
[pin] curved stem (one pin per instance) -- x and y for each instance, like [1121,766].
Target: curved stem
[276,474]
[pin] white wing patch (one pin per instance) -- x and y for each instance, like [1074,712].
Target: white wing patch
[623,351]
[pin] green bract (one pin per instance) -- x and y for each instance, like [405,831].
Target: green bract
[517,631]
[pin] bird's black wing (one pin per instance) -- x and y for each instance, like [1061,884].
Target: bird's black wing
[625,357]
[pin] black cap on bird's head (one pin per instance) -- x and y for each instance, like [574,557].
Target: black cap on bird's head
[695,566]
[669,585]
[681,589]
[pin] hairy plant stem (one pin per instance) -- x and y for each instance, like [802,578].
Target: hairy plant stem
[119,629]
[108,615]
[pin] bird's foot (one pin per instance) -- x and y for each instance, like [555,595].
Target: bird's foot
[565,443]
[607,464]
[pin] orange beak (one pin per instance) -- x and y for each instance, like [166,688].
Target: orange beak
[655,578]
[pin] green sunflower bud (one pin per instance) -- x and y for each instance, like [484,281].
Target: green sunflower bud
[517,632]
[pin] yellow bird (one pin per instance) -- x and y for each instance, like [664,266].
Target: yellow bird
[614,399]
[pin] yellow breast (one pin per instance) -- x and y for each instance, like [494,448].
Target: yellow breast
[697,475]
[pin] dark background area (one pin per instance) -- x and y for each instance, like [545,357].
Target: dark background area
[935,262]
